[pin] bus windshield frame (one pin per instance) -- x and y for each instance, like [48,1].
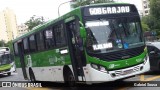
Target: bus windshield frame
[5,59]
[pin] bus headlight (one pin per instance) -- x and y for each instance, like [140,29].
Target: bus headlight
[102,69]
[94,66]
[99,68]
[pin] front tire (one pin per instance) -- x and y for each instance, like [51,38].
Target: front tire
[69,78]
[32,76]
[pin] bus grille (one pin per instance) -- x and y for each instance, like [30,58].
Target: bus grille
[129,71]
[118,55]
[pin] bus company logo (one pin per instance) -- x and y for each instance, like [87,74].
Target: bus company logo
[111,66]
[139,59]
[6,84]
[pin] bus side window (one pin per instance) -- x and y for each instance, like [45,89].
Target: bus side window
[15,49]
[40,41]
[25,45]
[60,35]
[32,43]
[49,38]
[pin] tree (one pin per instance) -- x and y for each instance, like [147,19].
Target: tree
[2,43]
[88,2]
[145,27]
[34,21]
[149,21]
[155,12]
[155,8]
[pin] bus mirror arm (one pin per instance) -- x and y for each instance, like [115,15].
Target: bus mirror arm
[82,32]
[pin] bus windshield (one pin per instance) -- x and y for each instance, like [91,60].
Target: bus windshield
[107,35]
[5,59]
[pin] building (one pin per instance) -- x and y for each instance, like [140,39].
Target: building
[3,28]
[145,7]
[8,25]
[22,29]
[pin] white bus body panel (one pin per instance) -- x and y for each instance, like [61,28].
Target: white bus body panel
[52,73]
[94,76]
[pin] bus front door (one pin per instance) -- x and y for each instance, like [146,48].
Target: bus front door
[73,36]
[21,55]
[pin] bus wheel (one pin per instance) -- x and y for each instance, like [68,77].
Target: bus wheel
[69,78]
[31,74]
[9,73]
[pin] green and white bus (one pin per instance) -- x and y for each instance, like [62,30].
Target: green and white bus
[99,43]
[7,65]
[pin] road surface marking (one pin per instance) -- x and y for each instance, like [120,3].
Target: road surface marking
[142,78]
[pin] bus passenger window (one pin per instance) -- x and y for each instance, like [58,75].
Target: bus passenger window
[26,45]
[49,38]
[32,43]
[60,35]
[15,49]
[40,41]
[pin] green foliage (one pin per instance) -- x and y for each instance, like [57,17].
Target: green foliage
[34,21]
[88,2]
[2,43]
[155,8]
[149,21]
[155,13]
[145,27]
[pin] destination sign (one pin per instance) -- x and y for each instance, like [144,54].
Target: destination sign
[102,46]
[109,10]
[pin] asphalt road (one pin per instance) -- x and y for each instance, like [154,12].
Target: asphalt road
[13,77]
[127,84]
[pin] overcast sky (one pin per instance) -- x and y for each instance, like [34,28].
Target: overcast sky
[138,3]
[24,9]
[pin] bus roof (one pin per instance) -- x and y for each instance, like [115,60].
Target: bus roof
[43,26]
[105,4]
[50,22]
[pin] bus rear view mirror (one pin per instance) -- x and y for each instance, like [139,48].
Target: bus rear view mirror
[82,32]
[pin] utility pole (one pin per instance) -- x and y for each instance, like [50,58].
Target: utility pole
[62,4]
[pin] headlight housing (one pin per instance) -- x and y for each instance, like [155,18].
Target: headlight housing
[145,58]
[98,67]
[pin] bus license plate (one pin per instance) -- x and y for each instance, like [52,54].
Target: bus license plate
[127,71]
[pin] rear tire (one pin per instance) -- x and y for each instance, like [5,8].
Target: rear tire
[32,76]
